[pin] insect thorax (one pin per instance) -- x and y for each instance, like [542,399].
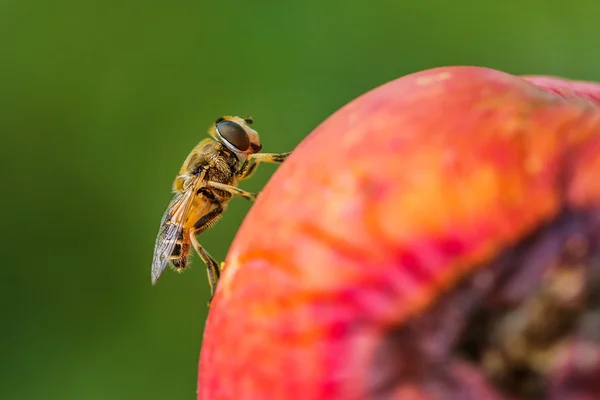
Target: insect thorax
[215,161]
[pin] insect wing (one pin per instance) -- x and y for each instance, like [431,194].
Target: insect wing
[171,227]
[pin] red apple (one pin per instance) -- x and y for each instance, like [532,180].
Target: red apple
[416,245]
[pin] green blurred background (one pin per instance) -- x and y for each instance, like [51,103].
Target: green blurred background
[101,101]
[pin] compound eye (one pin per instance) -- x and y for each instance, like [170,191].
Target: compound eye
[234,134]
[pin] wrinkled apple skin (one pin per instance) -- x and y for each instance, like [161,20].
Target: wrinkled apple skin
[388,204]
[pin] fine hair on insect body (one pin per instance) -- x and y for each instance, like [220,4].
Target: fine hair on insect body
[206,182]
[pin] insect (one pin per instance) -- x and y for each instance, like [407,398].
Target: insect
[206,182]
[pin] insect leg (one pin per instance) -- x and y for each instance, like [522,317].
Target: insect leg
[212,267]
[213,270]
[233,190]
[211,217]
[247,169]
[253,160]
[276,158]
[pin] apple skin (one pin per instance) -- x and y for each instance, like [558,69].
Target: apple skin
[386,206]
[572,90]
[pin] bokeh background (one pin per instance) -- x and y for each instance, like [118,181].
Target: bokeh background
[101,101]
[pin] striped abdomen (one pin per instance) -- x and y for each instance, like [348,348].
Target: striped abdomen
[181,250]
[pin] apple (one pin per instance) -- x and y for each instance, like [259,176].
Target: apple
[436,238]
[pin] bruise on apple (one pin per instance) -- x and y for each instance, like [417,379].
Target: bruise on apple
[501,326]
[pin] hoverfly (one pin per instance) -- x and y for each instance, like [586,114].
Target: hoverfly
[205,184]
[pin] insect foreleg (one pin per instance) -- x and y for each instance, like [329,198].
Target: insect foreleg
[233,190]
[253,160]
[276,158]
[247,169]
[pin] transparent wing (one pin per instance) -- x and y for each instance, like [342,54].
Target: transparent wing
[171,227]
